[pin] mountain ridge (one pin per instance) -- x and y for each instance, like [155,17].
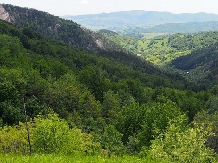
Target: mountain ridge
[57,28]
[138,18]
[189,27]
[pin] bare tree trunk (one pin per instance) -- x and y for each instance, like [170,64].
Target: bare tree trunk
[27,127]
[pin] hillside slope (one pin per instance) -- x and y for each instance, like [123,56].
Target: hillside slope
[163,49]
[48,71]
[195,53]
[75,35]
[116,65]
[201,64]
[57,28]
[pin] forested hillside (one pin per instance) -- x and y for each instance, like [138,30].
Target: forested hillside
[98,105]
[72,34]
[167,51]
[200,63]
[57,29]
[24,52]
[160,50]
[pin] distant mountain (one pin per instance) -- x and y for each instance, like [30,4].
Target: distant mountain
[190,27]
[138,18]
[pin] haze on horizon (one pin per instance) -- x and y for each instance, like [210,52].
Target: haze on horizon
[82,7]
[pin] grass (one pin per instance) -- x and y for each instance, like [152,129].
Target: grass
[152,35]
[9,158]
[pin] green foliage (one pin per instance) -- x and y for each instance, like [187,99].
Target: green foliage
[212,105]
[130,119]
[182,144]
[94,79]
[178,53]
[13,139]
[11,44]
[110,106]
[49,25]
[111,142]
[141,124]
[74,35]
[66,96]
[48,135]
[53,135]
[15,77]
[156,121]
[209,121]
[9,104]
[56,58]
[188,101]
[123,101]
[73,158]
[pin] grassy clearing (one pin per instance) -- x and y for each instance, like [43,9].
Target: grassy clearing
[69,159]
[152,35]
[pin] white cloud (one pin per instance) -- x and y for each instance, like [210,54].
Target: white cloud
[108,5]
[85,2]
[165,5]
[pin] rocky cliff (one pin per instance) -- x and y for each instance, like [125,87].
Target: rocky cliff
[4,15]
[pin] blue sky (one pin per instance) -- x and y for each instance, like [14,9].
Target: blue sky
[80,7]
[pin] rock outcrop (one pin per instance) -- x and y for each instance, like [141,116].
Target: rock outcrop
[4,15]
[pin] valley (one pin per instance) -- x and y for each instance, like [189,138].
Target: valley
[116,94]
[165,51]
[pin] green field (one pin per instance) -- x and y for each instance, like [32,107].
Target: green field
[152,35]
[65,159]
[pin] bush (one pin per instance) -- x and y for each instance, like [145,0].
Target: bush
[53,135]
[48,135]
[182,144]
[13,139]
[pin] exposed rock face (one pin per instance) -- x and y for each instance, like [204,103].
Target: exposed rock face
[4,15]
[100,44]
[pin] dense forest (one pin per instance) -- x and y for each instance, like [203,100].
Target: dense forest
[106,103]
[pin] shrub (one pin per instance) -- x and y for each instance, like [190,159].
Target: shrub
[182,144]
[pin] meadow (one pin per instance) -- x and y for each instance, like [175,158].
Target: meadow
[8,158]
